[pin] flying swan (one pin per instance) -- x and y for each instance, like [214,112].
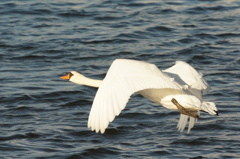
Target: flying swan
[179,87]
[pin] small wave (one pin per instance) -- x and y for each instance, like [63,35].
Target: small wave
[159,153]
[25,47]
[199,57]
[100,152]
[107,41]
[77,103]
[193,142]
[4,45]
[189,26]
[29,57]
[81,134]
[26,12]
[188,40]
[9,148]
[160,28]
[203,9]
[108,18]
[228,35]
[206,36]
[134,36]
[131,4]
[20,136]
[15,98]
[76,14]
[157,11]
[114,131]
[45,25]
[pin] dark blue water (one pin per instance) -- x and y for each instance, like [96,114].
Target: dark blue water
[42,116]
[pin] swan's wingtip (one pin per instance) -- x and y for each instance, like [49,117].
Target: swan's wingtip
[97,130]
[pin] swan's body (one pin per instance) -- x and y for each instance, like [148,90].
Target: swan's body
[179,87]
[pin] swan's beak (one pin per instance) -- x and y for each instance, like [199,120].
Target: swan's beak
[66,77]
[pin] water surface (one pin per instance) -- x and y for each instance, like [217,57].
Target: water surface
[42,116]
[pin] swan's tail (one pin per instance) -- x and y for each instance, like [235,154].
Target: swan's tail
[209,107]
[183,122]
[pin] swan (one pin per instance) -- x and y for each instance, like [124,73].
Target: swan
[179,87]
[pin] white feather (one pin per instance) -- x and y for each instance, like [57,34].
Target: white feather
[124,78]
[185,74]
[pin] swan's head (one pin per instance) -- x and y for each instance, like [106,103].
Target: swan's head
[74,77]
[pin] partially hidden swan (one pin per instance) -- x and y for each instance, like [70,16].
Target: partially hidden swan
[179,87]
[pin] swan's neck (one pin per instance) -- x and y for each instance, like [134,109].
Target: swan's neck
[88,82]
[92,82]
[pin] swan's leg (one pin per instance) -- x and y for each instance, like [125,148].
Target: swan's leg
[182,110]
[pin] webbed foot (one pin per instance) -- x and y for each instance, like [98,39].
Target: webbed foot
[190,112]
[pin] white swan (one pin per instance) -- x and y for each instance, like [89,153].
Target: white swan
[179,87]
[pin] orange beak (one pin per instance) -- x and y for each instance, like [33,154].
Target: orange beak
[66,77]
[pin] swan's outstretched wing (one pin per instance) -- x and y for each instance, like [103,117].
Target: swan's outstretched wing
[184,73]
[124,78]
